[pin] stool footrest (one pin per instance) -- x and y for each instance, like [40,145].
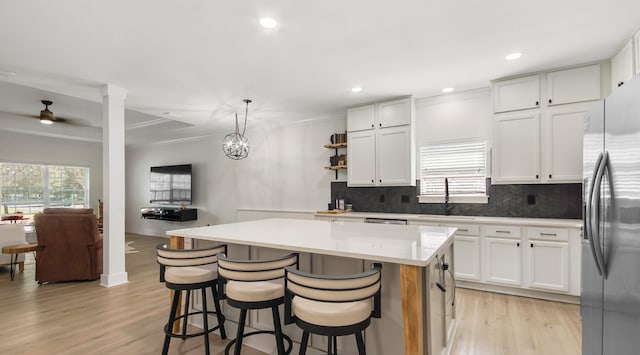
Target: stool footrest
[191,335]
[284,337]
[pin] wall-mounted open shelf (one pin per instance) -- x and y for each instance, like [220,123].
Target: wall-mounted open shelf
[337,167]
[336,146]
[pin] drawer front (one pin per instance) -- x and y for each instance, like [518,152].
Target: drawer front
[538,233]
[503,231]
[466,229]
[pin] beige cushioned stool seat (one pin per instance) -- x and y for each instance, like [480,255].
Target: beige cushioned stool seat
[255,291]
[189,275]
[331,314]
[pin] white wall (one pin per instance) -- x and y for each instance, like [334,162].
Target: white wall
[212,183]
[26,148]
[452,117]
[284,172]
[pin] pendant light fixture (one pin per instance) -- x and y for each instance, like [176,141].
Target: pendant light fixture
[235,145]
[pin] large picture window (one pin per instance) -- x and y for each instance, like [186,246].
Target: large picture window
[456,168]
[29,188]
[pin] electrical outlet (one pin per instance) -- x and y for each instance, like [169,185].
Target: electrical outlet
[531,199]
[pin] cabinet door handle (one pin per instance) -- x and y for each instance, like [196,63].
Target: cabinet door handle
[372,180]
[537,103]
[380,180]
[549,234]
[537,176]
[372,125]
[532,245]
[549,176]
[463,230]
[549,100]
[518,244]
[620,83]
[508,232]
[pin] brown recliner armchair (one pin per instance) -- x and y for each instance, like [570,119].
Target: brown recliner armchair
[69,245]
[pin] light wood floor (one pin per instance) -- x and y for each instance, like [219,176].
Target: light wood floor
[85,318]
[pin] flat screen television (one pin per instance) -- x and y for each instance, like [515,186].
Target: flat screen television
[171,184]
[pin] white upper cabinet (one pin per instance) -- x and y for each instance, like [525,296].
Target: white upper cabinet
[543,144]
[526,150]
[381,147]
[562,145]
[622,66]
[361,157]
[394,113]
[393,166]
[516,149]
[573,85]
[360,118]
[516,94]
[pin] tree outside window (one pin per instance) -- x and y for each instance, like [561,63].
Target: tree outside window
[29,188]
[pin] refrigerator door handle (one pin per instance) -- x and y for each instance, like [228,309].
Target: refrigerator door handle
[588,215]
[595,214]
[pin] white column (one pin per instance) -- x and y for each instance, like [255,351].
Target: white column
[113,185]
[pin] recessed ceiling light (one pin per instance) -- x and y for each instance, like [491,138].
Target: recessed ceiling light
[513,56]
[268,22]
[356,89]
[447,90]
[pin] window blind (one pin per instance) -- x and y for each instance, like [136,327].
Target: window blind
[463,164]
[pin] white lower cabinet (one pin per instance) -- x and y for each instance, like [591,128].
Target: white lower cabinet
[466,254]
[467,257]
[502,255]
[537,261]
[503,261]
[549,265]
[549,259]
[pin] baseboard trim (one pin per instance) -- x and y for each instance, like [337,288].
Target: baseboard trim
[110,280]
[519,292]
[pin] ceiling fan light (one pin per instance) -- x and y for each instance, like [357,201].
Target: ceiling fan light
[44,120]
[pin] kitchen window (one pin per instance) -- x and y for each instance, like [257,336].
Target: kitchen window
[460,166]
[30,188]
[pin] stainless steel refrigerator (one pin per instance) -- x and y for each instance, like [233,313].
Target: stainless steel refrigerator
[610,298]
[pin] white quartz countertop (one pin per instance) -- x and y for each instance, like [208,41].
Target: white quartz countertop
[399,244]
[538,222]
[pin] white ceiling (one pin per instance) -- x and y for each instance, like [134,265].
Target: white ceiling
[198,59]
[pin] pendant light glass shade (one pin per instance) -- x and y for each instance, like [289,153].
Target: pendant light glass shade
[235,145]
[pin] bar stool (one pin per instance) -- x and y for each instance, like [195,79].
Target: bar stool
[255,284]
[187,270]
[332,305]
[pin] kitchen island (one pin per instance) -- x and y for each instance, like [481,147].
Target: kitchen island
[413,257]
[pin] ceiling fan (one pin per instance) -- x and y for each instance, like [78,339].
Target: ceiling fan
[47,117]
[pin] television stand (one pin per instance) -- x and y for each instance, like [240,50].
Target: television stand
[175,214]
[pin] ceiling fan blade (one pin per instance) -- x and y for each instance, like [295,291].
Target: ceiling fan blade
[72,121]
[19,114]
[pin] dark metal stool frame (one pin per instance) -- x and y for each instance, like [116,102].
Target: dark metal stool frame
[201,256]
[244,306]
[332,332]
